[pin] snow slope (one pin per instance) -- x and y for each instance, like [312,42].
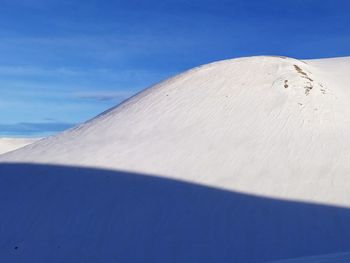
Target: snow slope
[272,126]
[11,144]
[244,160]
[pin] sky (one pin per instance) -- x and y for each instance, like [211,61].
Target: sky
[65,61]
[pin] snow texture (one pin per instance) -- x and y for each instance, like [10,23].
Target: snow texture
[272,126]
[242,160]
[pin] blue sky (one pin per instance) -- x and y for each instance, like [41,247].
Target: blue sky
[63,62]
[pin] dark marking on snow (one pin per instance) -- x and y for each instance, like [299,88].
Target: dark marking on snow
[299,70]
[308,78]
[308,89]
[286,84]
[302,73]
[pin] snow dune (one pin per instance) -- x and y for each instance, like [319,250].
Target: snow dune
[271,126]
[244,160]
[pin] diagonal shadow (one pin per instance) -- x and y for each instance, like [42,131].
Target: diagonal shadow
[70,214]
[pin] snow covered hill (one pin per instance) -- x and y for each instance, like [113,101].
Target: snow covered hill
[11,144]
[243,160]
[272,126]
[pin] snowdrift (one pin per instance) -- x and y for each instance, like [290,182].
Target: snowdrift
[244,159]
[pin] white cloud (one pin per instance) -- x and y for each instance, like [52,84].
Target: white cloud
[104,96]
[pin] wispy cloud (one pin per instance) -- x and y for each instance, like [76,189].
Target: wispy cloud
[103,96]
[33,128]
[115,49]
[36,4]
[37,71]
[70,74]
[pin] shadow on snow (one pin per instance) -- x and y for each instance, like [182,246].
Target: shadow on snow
[70,214]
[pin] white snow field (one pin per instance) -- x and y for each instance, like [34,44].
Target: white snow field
[11,144]
[243,160]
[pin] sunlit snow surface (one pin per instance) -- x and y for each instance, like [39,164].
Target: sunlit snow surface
[11,144]
[271,126]
[243,160]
